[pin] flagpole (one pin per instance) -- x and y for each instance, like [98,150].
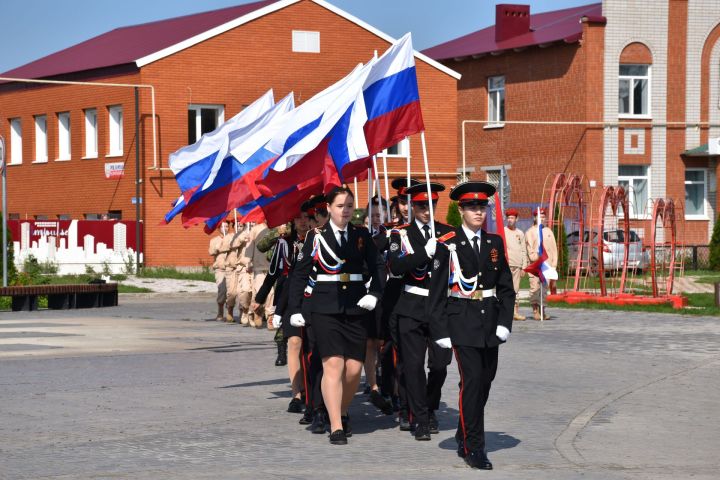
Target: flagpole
[407,185]
[369,210]
[427,182]
[235,216]
[378,190]
[387,188]
[3,167]
[542,303]
[357,200]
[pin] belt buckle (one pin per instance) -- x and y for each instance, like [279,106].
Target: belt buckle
[344,277]
[477,295]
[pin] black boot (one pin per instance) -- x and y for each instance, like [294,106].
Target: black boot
[282,354]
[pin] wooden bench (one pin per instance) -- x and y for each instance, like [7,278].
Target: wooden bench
[62,297]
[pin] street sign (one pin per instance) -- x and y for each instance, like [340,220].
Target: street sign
[134,200]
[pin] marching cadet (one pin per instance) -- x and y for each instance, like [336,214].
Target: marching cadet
[470,304]
[550,246]
[281,264]
[401,185]
[339,303]
[412,247]
[244,283]
[218,267]
[233,244]
[517,255]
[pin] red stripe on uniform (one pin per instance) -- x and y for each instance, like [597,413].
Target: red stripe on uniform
[304,369]
[462,417]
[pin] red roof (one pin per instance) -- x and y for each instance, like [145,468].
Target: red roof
[128,44]
[548,27]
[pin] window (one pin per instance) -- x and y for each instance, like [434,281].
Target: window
[15,141]
[41,217]
[400,149]
[634,91]
[115,115]
[91,134]
[63,136]
[305,42]
[64,216]
[41,138]
[695,193]
[636,181]
[496,100]
[203,119]
[13,216]
[93,216]
[114,215]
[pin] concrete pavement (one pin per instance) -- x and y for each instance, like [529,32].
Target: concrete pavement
[155,389]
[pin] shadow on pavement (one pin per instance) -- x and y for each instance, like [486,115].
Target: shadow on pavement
[277,381]
[494,441]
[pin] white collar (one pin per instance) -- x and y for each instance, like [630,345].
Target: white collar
[470,234]
[336,229]
[420,225]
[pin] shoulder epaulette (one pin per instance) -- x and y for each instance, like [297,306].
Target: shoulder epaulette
[446,237]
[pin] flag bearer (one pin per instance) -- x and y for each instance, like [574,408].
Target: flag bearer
[471,304]
[412,247]
[550,246]
[517,255]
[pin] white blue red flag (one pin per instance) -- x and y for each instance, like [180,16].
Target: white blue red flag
[541,268]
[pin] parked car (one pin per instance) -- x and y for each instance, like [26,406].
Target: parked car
[613,250]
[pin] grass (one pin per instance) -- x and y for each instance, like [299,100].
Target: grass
[698,304]
[171,272]
[122,288]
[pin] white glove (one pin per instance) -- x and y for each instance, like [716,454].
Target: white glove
[367,302]
[430,247]
[502,333]
[444,342]
[297,320]
[277,321]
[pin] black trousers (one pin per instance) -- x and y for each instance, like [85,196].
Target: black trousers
[312,365]
[477,367]
[423,393]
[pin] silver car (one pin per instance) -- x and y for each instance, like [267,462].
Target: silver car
[613,250]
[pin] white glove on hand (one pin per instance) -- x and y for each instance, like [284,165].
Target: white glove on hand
[367,302]
[297,320]
[277,321]
[430,247]
[444,342]
[502,333]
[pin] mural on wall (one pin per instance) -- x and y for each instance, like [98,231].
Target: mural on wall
[74,244]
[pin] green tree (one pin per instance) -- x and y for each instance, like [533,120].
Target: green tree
[12,272]
[715,246]
[453,215]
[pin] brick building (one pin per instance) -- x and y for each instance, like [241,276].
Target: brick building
[642,75]
[71,148]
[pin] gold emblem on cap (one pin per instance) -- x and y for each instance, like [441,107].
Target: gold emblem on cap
[476,196]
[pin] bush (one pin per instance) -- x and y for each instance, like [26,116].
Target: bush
[561,240]
[453,215]
[11,270]
[34,272]
[715,246]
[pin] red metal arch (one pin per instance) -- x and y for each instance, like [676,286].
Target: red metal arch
[663,211]
[613,197]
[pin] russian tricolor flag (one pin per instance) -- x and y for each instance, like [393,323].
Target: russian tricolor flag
[540,267]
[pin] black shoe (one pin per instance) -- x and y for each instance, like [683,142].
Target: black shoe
[422,432]
[281,355]
[307,417]
[404,422]
[433,423]
[319,423]
[478,460]
[345,419]
[395,400]
[461,449]
[367,390]
[380,402]
[295,406]
[338,437]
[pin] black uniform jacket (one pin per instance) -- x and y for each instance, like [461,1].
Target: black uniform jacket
[471,322]
[414,267]
[360,255]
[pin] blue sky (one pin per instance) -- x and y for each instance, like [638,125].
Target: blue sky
[31,29]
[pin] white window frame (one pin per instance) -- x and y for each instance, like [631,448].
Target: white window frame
[15,141]
[704,215]
[631,79]
[494,118]
[41,140]
[64,145]
[91,133]
[304,41]
[630,178]
[197,108]
[115,131]
[403,149]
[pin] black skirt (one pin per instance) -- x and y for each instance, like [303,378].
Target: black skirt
[340,335]
[289,330]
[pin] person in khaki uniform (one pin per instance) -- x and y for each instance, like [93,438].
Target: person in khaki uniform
[258,268]
[243,286]
[233,244]
[517,255]
[218,267]
[550,245]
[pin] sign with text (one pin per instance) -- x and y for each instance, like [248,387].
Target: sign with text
[114,170]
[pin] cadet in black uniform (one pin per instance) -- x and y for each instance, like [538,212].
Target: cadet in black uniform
[411,249]
[471,306]
[339,303]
